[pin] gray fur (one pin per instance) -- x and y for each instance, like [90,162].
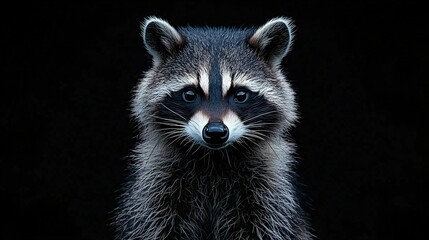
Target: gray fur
[171,195]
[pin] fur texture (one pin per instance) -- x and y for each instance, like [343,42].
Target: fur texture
[182,186]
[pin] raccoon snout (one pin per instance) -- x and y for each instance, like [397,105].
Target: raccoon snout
[215,133]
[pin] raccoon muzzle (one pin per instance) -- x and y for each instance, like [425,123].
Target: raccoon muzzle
[215,133]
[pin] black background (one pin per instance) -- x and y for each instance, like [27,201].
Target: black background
[357,68]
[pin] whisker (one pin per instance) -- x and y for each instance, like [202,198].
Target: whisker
[168,119]
[259,128]
[190,147]
[186,138]
[260,115]
[169,109]
[174,112]
[167,129]
[175,139]
[176,132]
[196,149]
[264,130]
[170,123]
[246,146]
[170,134]
[204,156]
[251,140]
[260,123]
[256,135]
[227,157]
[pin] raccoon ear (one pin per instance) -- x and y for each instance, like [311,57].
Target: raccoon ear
[273,40]
[160,38]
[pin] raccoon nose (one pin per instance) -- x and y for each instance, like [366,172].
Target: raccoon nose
[215,133]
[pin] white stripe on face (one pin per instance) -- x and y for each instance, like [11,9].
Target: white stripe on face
[226,82]
[178,83]
[195,126]
[204,81]
[189,80]
[241,80]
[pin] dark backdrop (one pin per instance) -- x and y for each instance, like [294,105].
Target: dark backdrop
[357,69]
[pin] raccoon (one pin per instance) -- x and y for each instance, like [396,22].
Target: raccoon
[214,159]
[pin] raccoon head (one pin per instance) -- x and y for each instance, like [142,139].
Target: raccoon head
[215,87]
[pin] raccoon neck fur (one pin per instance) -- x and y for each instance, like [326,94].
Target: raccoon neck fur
[230,194]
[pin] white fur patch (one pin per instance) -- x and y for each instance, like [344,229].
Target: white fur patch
[226,82]
[235,126]
[176,84]
[261,87]
[195,126]
[187,80]
[241,80]
[204,81]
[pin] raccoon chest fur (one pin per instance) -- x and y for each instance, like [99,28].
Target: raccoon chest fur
[214,159]
[216,197]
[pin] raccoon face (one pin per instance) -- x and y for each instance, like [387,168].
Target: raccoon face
[215,87]
[239,115]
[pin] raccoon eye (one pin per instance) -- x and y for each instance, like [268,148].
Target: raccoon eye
[189,95]
[240,96]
